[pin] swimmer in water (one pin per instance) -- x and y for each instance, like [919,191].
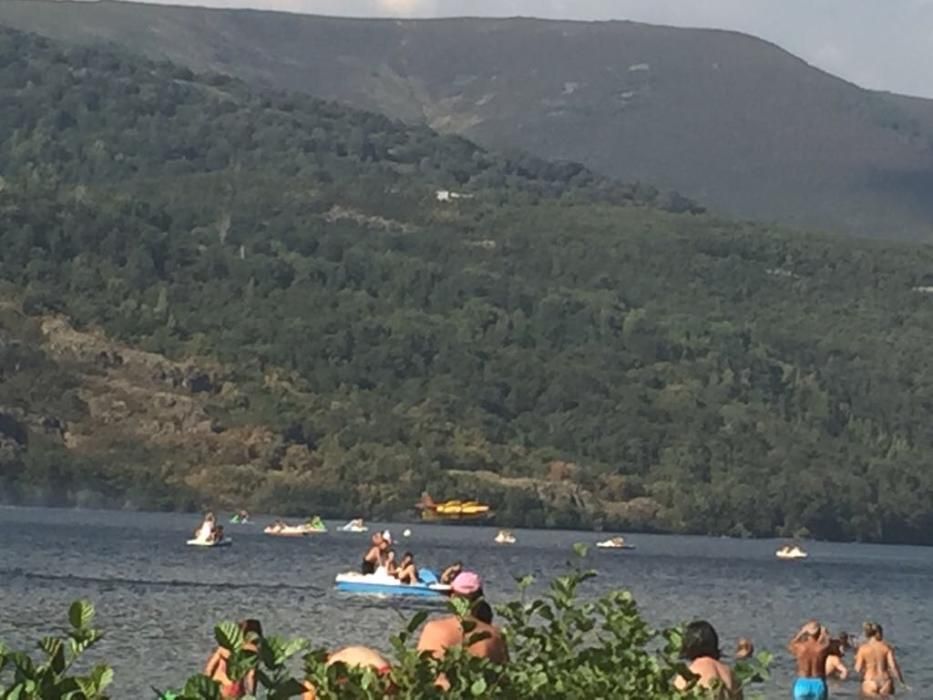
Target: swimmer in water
[876,661]
[701,650]
[835,668]
[744,649]
[217,670]
[810,647]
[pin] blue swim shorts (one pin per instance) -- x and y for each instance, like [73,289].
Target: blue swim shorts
[810,689]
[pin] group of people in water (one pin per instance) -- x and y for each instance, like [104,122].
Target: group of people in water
[818,655]
[437,636]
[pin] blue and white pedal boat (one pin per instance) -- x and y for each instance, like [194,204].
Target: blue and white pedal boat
[382,585]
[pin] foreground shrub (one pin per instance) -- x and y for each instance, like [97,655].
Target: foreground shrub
[23,677]
[561,647]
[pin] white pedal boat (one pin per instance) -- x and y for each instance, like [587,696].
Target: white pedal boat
[614,543]
[791,553]
[225,542]
[356,525]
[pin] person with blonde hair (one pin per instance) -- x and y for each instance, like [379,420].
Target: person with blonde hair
[877,663]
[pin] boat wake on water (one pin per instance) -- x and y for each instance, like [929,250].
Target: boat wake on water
[166,583]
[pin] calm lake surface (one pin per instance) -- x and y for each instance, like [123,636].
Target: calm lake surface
[158,600]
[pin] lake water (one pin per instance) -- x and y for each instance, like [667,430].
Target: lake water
[158,600]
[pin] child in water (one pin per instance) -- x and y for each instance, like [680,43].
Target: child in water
[216,668]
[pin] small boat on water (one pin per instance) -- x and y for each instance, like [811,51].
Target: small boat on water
[384,585]
[226,542]
[505,537]
[280,528]
[241,518]
[355,525]
[788,552]
[615,543]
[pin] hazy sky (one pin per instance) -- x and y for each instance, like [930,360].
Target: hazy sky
[882,44]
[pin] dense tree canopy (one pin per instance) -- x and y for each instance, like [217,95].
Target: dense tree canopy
[552,341]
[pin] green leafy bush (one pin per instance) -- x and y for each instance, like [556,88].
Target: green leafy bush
[23,677]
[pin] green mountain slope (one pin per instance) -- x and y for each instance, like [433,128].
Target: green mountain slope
[214,296]
[730,120]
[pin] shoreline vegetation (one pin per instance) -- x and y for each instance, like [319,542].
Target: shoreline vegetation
[560,646]
[217,296]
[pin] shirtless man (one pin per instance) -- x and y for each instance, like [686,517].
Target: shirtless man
[810,648]
[876,661]
[446,632]
[353,657]
[373,558]
[701,649]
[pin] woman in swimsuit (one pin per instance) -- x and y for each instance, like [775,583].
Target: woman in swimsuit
[407,572]
[216,668]
[391,565]
[876,661]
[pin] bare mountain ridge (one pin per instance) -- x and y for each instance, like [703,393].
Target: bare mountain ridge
[731,120]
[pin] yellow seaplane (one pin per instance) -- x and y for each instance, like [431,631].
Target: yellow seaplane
[452,510]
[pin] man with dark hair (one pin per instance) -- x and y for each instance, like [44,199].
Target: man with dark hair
[701,649]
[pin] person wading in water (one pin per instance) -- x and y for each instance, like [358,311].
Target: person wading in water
[876,661]
[810,648]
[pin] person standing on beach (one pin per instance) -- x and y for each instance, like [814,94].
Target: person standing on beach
[810,647]
[876,661]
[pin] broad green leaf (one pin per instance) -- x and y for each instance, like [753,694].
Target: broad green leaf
[229,636]
[81,614]
[102,676]
[417,620]
[202,688]
[478,688]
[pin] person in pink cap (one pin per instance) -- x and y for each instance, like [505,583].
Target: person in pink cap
[443,633]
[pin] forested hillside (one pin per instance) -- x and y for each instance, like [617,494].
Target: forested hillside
[728,119]
[218,296]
